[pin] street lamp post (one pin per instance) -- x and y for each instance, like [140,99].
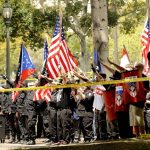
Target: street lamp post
[7,14]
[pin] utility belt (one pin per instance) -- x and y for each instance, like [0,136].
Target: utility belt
[63,108]
[53,105]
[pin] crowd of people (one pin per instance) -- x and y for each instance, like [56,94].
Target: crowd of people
[99,112]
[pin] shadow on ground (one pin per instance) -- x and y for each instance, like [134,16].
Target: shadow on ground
[138,144]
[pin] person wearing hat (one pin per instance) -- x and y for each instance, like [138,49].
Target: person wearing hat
[43,110]
[32,116]
[84,98]
[9,108]
[22,112]
[64,112]
[51,118]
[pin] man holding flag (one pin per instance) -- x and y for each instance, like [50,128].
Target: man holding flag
[25,69]
[59,54]
[60,60]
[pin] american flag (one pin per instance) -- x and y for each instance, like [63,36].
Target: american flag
[145,40]
[43,94]
[59,54]
[25,69]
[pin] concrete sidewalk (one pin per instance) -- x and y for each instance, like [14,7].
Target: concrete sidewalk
[130,144]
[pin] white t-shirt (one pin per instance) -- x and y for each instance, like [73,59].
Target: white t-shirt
[98,97]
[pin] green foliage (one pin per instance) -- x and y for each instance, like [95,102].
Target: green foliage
[126,14]
[85,21]
[74,8]
[128,26]
[112,18]
[131,42]
[29,23]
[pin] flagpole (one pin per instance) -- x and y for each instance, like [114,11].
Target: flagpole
[126,51]
[60,32]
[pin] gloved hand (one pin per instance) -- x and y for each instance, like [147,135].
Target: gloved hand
[93,69]
[37,106]
[4,77]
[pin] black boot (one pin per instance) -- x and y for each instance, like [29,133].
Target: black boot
[31,142]
[12,140]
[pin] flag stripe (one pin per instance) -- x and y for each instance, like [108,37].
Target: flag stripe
[42,94]
[145,40]
[59,54]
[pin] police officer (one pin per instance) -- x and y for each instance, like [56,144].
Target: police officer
[85,100]
[9,109]
[32,116]
[64,113]
[43,109]
[5,109]
[52,120]
[22,112]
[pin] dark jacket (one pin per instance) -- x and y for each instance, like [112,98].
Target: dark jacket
[7,105]
[85,106]
[20,102]
[29,103]
[63,98]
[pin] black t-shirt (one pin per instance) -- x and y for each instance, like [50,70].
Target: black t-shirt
[63,98]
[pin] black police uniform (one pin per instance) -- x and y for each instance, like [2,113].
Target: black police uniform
[52,108]
[22,113]
[85,112]
[43,112]
[64,114]
[9,109]
[32,118]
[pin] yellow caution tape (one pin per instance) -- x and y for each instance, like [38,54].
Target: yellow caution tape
[2,80]
[145,136]
[77,85]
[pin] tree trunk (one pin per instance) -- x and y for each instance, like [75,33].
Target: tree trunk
[116,45]
[100,27]
[84,60]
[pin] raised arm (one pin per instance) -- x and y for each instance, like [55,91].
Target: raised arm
[46,78]
[99,77]
[10,83]
[108,68]
[84,78]
[117,66]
